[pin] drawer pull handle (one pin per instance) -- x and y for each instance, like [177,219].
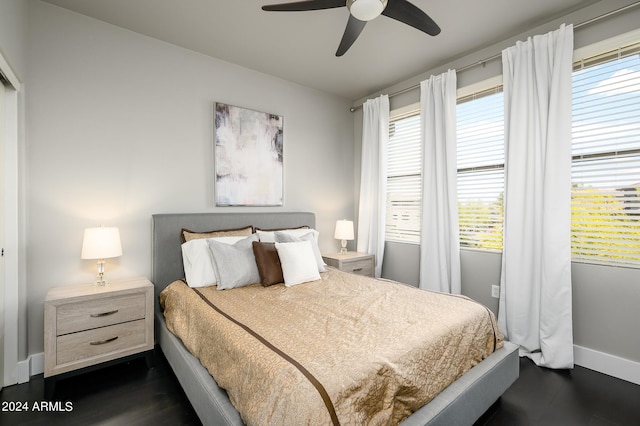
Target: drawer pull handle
[357,269]
[102,342]
[104,314]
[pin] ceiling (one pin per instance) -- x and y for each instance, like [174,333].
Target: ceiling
[301,46]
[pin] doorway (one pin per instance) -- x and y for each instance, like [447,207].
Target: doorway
[2,213]
[10,87]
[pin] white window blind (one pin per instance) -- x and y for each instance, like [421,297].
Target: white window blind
[606,158]
[480,141]
[605,166]
[404,179]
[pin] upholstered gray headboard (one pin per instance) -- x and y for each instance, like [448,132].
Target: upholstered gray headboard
[166,257]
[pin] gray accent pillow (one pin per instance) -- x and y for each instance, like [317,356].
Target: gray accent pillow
[235,264]
[283,237]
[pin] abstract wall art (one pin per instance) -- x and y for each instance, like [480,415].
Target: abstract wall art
[248,157]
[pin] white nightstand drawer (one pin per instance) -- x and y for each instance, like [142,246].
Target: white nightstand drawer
[116,318]
[360,267]
[353,262]
[100,341]
[96,313]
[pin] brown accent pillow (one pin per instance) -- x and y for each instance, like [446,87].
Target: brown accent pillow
[187,235]
[268,263]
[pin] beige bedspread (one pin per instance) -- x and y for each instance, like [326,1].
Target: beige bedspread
[375,350]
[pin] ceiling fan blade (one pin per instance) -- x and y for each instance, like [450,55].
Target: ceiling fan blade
[351,33]
[300,6]
[403,11]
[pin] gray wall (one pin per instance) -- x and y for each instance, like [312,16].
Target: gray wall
[480,270]
[605,298]
[605,313]
[13,34]
[14,44]
[120,126]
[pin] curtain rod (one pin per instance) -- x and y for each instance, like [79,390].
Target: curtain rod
[498,55]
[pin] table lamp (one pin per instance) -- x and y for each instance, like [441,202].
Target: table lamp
[101,243]
[344,232]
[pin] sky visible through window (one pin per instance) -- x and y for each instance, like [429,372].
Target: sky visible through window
[481,130]
[605,166]
[606,118]
[606,163]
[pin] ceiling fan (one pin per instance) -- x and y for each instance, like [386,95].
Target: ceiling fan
[361,11]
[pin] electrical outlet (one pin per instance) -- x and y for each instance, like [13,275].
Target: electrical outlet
[495,291]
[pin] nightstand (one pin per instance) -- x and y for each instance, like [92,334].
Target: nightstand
[351,261]
[88,327]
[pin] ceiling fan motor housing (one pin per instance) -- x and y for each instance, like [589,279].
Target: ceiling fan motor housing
[361,11]
[366,10]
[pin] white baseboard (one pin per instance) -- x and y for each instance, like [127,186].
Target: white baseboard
[24,372]
[605,363]
[37,364]
[30,367]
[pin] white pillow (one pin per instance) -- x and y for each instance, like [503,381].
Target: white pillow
[287,237]
[197,261]
[235,265]
[298,262]
[270,236]
[266,236]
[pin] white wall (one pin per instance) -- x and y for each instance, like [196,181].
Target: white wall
[120,126]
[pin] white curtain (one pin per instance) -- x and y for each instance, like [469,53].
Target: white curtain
[439,240]
[373,179]
[535,298]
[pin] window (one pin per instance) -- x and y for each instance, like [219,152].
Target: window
[606,158]
[605,165]
[404,178]
[480,140]
[480,133]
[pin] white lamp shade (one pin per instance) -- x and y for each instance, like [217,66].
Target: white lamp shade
[344,230]
[366,10]
[101,243]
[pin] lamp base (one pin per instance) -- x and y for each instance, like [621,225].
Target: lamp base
[343,248]
[101,282]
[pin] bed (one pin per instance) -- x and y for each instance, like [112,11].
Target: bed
[462,402]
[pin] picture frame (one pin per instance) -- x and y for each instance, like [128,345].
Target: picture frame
[248,157]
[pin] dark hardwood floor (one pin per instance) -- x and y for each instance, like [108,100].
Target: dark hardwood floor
[578,397]
[131,394]
[122,394]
